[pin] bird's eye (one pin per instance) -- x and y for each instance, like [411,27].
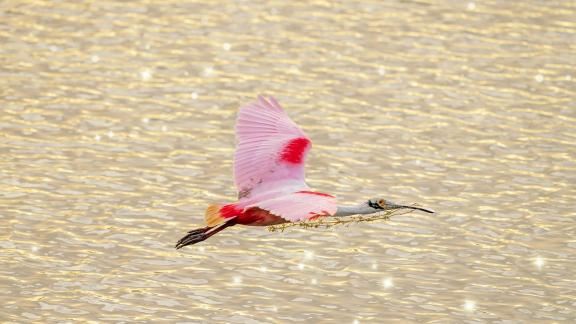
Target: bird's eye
[382,203]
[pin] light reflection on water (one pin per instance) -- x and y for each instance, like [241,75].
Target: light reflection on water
[117,130]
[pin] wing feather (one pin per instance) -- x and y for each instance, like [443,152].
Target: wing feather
[264,131]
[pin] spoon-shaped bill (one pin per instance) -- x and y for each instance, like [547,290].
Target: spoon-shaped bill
[427,210]
[419,208]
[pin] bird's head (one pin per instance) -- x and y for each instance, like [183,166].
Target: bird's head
[380,204]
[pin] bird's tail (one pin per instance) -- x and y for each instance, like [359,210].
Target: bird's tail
[212,216]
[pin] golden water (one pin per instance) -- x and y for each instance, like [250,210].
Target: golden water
[116,130]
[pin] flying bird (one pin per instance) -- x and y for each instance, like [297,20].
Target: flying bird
[269,175]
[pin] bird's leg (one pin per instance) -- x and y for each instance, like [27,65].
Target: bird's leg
[201,234]
[199,230]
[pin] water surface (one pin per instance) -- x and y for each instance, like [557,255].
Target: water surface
[116,131]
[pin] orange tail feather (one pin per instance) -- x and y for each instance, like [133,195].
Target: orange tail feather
[212,216]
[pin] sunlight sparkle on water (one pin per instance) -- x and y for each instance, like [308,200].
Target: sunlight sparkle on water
[308,255]
[263,269]
[314,281]
[237,279]
[226,46]
[471,6]
[539,77]
[387,283]
[301,266]
[145,75]
[97,138]
[469,305]
[194,95]
[381,70]
[95,58]
[539,262]
[374,266]
[110,134]
[295,69]
[208,71]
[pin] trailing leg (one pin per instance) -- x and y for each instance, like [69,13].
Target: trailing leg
[201,234]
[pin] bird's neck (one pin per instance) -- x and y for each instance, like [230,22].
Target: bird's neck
[361,209]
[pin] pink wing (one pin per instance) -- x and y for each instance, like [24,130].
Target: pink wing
[300,205]
[271,150]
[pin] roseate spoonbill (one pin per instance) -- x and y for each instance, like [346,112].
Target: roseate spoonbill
[269,176]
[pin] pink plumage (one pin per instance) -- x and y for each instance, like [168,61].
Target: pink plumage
[299,206]
[269,175]
[269,164]
[295,150]
[265,134]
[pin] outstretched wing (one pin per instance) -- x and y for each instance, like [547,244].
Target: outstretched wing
[271,149]
[300,205]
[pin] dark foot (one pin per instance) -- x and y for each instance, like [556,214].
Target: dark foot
[199,235]
[193,237]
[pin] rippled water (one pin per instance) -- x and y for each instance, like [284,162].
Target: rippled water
[117,131]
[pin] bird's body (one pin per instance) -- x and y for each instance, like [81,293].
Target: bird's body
[269,174]
[248,212]
[258,217]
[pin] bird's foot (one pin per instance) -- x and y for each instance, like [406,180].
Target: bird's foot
[193,237]
[199,235]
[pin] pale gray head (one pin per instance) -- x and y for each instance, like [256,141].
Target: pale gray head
[379,204]
[373,206]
